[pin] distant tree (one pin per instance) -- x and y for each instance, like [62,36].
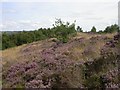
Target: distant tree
[115,28]
[112,28]
[100,32]
[7,41]
[107,29]
[61,31]
[93,29]
[79,29]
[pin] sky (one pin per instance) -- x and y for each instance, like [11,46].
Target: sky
[34,14]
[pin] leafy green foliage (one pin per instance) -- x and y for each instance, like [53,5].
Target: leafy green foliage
[93,82]
[79,29]
[112,28]
[63,31]
[93,29]
[60,31]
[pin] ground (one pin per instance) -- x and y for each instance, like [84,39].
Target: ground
[50,63]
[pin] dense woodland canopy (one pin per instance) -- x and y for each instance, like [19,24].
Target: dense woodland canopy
[62,31]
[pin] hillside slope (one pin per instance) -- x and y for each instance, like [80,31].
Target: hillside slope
[50,63]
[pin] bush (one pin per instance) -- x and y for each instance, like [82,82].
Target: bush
[93,29]
[112,28]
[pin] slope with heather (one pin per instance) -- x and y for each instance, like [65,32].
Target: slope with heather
[87,60]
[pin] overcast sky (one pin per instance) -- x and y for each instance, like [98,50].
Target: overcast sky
[34,14]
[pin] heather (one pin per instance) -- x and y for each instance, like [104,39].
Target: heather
[80,63]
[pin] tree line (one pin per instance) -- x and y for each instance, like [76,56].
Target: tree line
[61,30]
[108,29]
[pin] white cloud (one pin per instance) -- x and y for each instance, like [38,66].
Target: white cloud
[37,24]
[9,11]
[60,1]
[87,14]
[24,21]
[20,25]
[28,24]
[1,26]
[9,25]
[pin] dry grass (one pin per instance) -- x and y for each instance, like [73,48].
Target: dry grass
[15,54]
[26,52]
[89,35]
[11,54]
[77,51]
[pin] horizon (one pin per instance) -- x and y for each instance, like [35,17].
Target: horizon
[16,16]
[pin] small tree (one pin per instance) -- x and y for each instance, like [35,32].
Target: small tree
[79,29]
[112,28]
[93,29]
[64,31]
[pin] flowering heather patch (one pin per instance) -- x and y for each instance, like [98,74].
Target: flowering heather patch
[112,78]
[52,67]
[38,74]
[17,73]
[41,73]
[88,50]
[100,72]
[111,47]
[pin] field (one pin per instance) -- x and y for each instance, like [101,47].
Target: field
[86,60]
